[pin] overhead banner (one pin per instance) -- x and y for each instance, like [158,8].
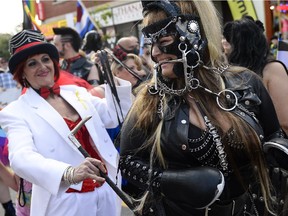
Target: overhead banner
[240,8]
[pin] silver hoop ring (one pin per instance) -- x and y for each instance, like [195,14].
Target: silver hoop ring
[185,53]
[194,83]
[197,62]
[182,44]
[152,90]
[231,92]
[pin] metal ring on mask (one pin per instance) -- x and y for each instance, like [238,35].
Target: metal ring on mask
[195,83]
[183,50]
[222,107]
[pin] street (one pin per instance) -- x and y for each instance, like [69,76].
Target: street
[125,210]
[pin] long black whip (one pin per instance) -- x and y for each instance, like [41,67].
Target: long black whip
[108,77]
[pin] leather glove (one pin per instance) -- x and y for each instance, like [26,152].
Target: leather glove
[197,187]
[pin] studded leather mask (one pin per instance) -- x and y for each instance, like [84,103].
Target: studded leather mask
[187,40]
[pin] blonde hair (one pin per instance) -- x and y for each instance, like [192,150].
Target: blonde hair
[145,105]
[115,66]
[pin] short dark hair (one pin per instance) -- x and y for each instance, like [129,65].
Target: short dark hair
[69,35]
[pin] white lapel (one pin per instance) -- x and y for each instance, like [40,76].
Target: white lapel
[50,115]
[72,96]
[84,109]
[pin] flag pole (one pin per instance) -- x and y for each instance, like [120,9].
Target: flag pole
[90,17]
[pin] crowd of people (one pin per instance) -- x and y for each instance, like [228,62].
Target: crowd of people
[194,120]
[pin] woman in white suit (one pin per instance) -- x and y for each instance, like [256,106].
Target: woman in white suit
[38,125]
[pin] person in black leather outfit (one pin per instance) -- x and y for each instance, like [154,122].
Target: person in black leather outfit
[192,142]
[68,43]
[249,48]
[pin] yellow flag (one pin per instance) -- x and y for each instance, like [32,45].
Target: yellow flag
[240,8]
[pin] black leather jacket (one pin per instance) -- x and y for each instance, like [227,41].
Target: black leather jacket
[80,67]
[134,164]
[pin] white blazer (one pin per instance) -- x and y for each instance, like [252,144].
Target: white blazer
[39,148]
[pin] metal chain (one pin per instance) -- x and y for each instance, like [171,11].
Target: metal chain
[219,146]
[160,109]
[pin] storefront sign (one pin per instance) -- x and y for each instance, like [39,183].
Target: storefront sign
[104,18]
[240,8]
[127,13]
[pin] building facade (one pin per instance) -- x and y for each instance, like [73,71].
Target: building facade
[123,18]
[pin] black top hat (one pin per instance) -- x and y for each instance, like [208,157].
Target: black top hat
[69,35]
[27,43]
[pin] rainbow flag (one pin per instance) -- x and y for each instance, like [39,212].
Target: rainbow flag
[29,13]
[32,7]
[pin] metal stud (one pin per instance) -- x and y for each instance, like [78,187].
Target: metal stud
[183,121]
[193,26]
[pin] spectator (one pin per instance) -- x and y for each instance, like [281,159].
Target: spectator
[38,125]
[9,91]
[6,78]
[68,43]
[92,42]
[129,44]
[249,48]
[128,67]
[7,178]
[274,46]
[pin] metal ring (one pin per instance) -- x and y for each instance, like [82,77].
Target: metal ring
[152,90]
[223,108]
[181,44]
[194,83]
[183,51]
[197,62]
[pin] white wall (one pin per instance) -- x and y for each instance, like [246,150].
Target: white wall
[260,10]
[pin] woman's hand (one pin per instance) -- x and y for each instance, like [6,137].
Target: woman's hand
[96,59]
[95,56]
[89,168]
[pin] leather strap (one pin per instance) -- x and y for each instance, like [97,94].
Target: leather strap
[251,120]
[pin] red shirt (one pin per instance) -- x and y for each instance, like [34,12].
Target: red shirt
[82,136]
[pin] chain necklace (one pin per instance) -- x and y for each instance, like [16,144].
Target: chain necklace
[219,146]
[217,140]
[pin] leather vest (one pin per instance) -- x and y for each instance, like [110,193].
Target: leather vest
[80,68]
[252,96]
